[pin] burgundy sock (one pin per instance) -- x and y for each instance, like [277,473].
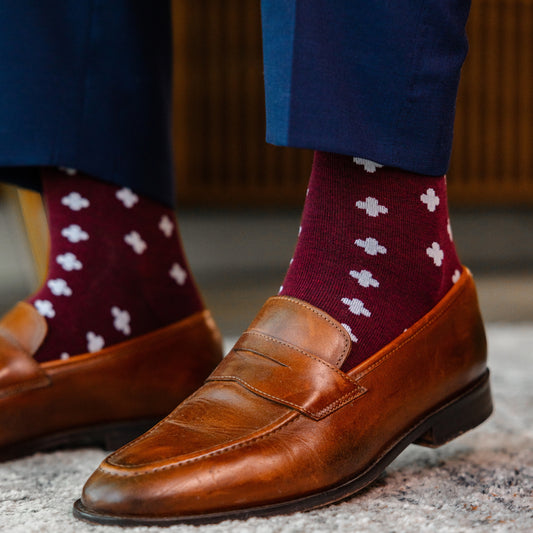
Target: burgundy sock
[375,249]
[116,267]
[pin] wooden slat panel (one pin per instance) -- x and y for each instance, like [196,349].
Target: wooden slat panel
[492,158]
[219,118]
[219,110]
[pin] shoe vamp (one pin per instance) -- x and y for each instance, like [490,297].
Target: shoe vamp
[216,415]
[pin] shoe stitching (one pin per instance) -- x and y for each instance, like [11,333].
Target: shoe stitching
[425,417]
[445,309]
[150,431]
[265,356]
[207,455]
[315,415]
[284,424]
[340,329]
[340,402]
[120,350]
[303,352]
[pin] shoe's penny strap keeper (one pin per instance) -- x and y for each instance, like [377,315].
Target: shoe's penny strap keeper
[283,373]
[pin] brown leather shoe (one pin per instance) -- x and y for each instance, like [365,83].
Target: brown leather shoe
[279,428]
[103,398]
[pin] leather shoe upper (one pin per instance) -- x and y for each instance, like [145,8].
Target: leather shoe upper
[142,378]
[278,420]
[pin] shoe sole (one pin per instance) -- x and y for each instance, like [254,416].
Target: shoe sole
[109,436]
[464,412]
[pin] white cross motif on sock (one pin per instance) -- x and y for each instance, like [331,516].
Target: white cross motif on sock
[136,242]
[456,276]
[94,342]
[430,199]
[178,274]
[369,166]
[59,287]
[127,197]
[75,201]
[372,207]
[68,171]
[69,262]
[371,246]
[64,355]
[364,278]
[357,307]
[45,308]
[435,253]
[166,226]
[74,233]
[349,330]
[121,320]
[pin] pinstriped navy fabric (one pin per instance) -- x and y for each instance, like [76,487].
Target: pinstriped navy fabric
[365,78]
[86,84]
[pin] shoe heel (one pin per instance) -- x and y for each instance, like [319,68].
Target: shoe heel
[465,413]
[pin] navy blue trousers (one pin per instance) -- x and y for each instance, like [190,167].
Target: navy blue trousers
[370,78]
[86,84]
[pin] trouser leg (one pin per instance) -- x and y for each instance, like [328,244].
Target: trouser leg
[365,78]
[87,84]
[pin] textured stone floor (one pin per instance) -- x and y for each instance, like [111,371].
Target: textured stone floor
[482,481]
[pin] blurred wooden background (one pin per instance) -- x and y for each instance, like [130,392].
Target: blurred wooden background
[221,155]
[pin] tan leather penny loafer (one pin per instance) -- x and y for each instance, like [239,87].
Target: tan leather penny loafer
[103,398]
[279,428]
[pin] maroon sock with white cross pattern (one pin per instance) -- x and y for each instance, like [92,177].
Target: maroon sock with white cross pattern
[375,249]
[116,267]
